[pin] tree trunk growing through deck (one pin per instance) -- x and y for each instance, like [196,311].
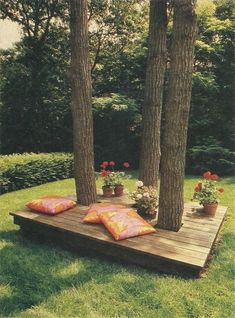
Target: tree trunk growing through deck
[171,204]
[156,63]
[81,104]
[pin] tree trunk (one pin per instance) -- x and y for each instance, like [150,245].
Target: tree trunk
[171,203]
[154,83]
[82,104]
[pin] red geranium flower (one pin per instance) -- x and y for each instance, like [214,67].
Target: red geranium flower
[111,163]
[206,191]
[104,173]
[126,164]
[105,163]
[214,177]
[207,175]
[102,166]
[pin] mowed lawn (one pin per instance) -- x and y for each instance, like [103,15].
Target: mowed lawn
[38,280]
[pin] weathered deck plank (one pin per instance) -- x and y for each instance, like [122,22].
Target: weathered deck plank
[184,252]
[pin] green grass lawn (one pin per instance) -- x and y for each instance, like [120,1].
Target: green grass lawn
[39,280]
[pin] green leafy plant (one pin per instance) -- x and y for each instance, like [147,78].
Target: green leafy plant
[206,190]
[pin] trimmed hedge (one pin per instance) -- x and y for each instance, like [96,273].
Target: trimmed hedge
[21,171]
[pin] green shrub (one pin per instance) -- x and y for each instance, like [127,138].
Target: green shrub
[210,157]
[27,170]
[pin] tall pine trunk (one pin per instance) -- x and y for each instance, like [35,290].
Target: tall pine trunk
[156,63]
[82,104]
[171,203]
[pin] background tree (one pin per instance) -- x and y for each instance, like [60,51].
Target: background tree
[82,104]
[154,85]
[53,130]
[171,200]
[119,71]
[117,30]
[210,141]
[35,18]
[120,26]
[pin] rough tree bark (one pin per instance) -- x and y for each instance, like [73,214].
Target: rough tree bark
[171,203]
[82,104]
[154,83]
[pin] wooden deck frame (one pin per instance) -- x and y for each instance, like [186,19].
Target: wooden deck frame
[185,252]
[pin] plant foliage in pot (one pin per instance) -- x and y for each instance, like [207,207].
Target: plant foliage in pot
[113,179]
[207,192]
[146,200]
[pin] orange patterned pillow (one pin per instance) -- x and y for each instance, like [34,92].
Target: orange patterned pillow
[51,204]
[93,214]
[124,225]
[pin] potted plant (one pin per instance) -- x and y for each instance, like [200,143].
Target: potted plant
[207,192]
[146,200]
[113,179]
[107,184]
[118,180]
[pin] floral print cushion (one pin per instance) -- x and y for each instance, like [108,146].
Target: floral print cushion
[93,214]
[51,204]
[124,225]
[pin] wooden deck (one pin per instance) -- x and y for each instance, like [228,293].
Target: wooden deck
[185,252]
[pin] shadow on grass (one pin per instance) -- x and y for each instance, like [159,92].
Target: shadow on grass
[35,272]
[32,273]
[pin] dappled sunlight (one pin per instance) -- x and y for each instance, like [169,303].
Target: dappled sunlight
[5,290]
[148,85]
[43,280]
[71,269]
[5,244]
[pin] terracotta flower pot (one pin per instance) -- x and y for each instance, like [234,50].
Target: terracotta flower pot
[118,190]
[107,191]
[210,209]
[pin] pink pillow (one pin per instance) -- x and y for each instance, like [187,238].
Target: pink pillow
[124,225]
[51,204]
[93,214]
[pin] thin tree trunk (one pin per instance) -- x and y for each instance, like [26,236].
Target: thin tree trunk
[156,63]
[171,203]
[82,104]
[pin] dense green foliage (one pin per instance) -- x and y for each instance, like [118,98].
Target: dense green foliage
[43,125]
[116,128]
[27,170]
[35,90]
[211,157]
[42,280]
[211,123]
